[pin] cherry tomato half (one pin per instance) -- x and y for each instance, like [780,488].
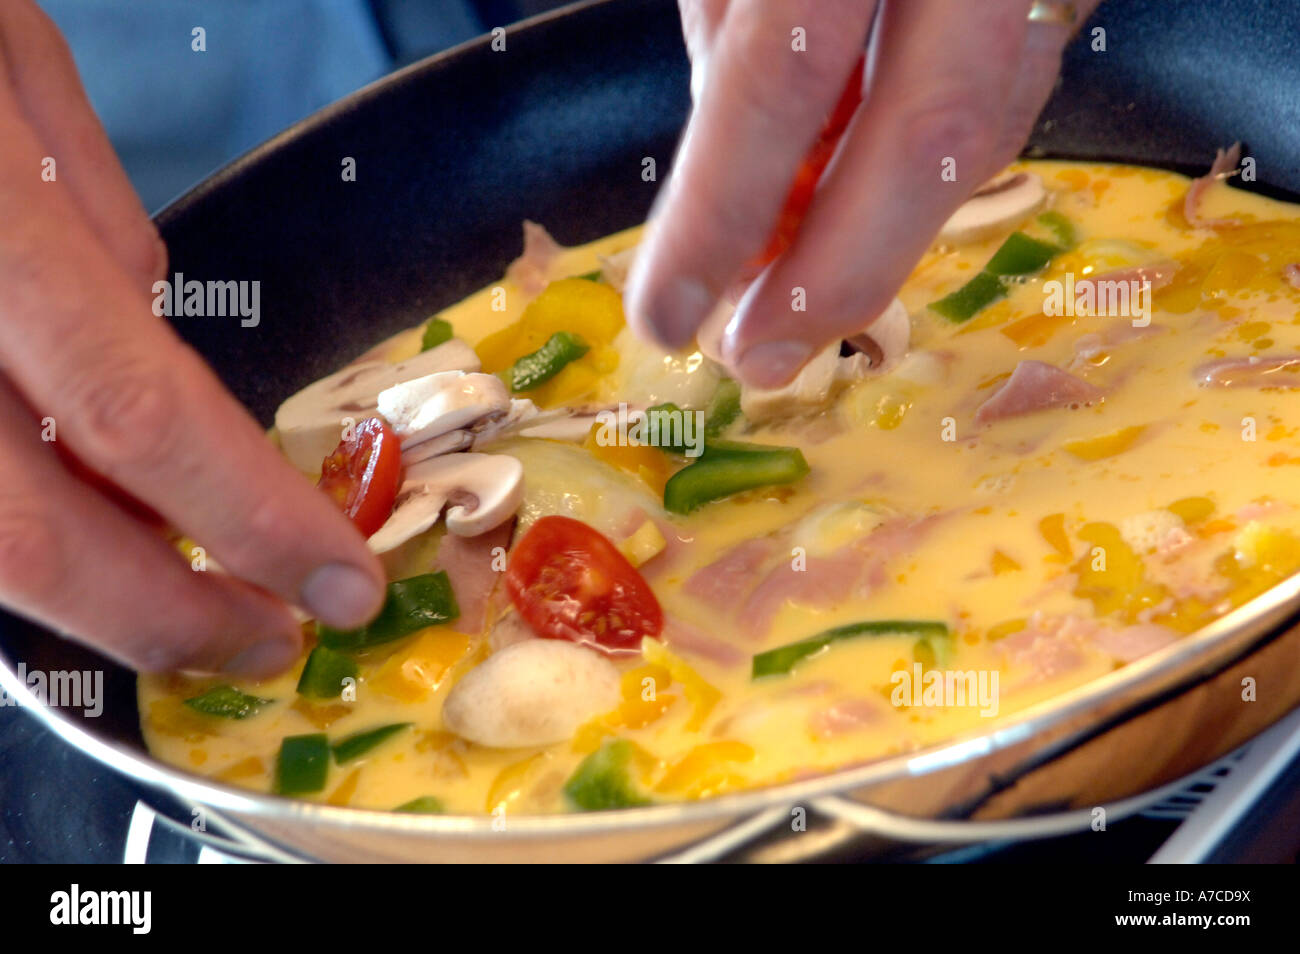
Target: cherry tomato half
[363,474]
[569,582]
[810,172]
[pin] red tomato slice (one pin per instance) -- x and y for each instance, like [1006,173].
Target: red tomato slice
[569,582]
[810,171]
[363,474]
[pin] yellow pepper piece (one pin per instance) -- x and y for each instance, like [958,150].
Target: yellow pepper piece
[700,771]
[1268,548]
[640,460]
[1001,563]
[1192,510]
[412,674]
[1036,330]
[1105,445]
[1052,527]
[1232,273]
[244,768]
[1112,576]
[346,789]
[1004,629]
[644,698]
[590,310]
[510,781]
[700,694]
[642,704]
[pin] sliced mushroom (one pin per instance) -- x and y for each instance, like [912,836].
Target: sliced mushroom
[876,350]
[614,268]
[436,404]
[808,392]
[884,342]
[310,422]
[449,443]
[483,491]
[535,692]
[994,208]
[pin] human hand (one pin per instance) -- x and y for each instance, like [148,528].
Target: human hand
[945,80]
[84,359]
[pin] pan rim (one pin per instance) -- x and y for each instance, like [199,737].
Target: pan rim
[1223,643]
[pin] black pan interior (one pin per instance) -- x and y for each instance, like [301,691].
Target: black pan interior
[453,153]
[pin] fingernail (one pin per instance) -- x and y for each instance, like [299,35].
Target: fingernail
[773,363]
[675,312]
[341,595]
[268,658]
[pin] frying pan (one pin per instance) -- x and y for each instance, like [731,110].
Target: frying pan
[451,154]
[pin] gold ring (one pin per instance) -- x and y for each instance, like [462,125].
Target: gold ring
[1053,11]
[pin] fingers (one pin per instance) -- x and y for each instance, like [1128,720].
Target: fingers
[49,91]
[700,22]
[940,78]
[71,560]
[79,340]
[767,95]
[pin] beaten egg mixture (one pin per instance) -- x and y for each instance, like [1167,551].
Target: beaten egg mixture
[1043,544]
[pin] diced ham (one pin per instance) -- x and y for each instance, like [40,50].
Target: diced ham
[1044,648]
[729,579]
[531,270]
[852,571]
[1225,164]
[844,716]
[1292,275]
[1256,371]
[1133,642]
[1155,275]
[683,638]
[823,581]
[469,565]
[1261,508]
[1036,386]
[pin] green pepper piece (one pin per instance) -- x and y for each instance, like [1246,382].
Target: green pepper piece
[1062,229]
[358,744]
[303,764]
[729,467]
[659,426]
[783,659]
[414,603]
[437,331]
[322,677]
[601,780]
[595,276]
[424,805]
[227,702]
[723,409]
[978,293]
[1020,255]
[534,370]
